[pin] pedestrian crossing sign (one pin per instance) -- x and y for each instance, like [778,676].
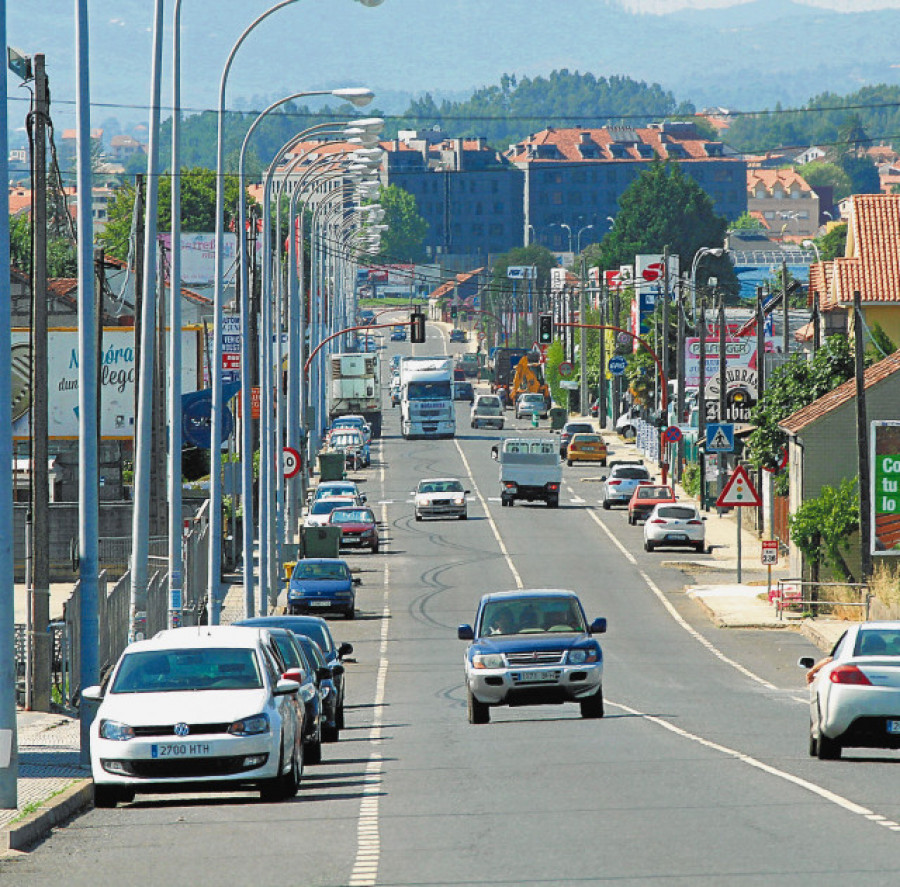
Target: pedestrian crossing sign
[739,491]
[720,437]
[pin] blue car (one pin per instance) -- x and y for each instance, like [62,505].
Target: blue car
[321,584]
[532,647]
[398,334]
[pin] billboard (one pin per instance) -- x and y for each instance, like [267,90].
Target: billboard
[740,354]
[885,480]
[117,374]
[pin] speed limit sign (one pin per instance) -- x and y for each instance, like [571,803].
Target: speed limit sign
[290,462]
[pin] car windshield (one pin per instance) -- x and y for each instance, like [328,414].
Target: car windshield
[677,512]
[531,615]
[877,642]
[532,398]
[441,486]
[632,473]
[346,439]
[320,571]
[352,516]
[169,671]
[428,390]
[325,506]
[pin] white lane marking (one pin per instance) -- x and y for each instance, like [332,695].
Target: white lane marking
[824,793]
[675,614]
[509,561]
[368,839]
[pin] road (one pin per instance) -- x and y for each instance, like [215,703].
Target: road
[698,774]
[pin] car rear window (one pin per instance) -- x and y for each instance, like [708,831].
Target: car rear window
[653,493]
[632,473]
[352,516]
[877,642]
[679,512]
[578,427]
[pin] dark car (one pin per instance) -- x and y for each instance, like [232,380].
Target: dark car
[317,630]
[570,428]
[458,336]
[322,583]
[532,647]
[358,528]
[324,676]
[463,391]
[297,667]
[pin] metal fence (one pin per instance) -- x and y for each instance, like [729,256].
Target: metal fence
[803,596]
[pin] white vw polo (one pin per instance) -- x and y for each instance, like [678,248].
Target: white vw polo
[205,707]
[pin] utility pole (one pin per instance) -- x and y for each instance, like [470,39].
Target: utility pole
[817,332]
[158,486]
[722,385]
[40,486]
[786,332]
[584,406]
[701,403]
[665,318]
[862,443]
[679,375]
[601,393]
[138,282]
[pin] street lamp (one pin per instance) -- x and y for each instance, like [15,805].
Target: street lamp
[580,232]
[718,252]
[815,246]
[612,222]
[569,229]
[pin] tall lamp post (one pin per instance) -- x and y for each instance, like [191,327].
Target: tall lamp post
[580,232]
[217,415]
[569,230]
[718,252]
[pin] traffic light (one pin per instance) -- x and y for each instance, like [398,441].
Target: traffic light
[545,329]
[417,327]
[454,311]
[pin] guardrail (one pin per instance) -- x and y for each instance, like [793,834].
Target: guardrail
[789,594]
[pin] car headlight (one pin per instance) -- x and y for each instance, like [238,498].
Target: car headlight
[295,593]
[252,726]
[115,731]
[459,500]
[581,657]
[487,660]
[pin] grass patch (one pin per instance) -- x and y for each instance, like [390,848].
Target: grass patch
[885,584]
[34,806]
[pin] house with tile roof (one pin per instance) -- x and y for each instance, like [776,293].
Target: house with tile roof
[822,436]
[785,200]
[574,177]
[871,266]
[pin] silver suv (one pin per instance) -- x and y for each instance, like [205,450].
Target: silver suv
[621,482]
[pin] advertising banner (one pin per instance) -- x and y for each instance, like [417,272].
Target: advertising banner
[740,353]
[885,474]
[198,257]
[117,374]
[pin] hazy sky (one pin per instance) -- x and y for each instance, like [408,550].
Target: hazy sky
[661,7]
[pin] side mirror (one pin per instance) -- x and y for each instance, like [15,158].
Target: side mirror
[602,477]
[806,662]
[345,649]
[293,674]
[363,498]
[285,688]
[465,633]
[323,673]
[598,626]
[494,454]
[468,492]
[357,580]
[94,694]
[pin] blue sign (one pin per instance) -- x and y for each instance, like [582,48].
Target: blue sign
[617,365]
[719,437]
[196,416]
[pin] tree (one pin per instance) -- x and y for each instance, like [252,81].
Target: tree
[665,206]
[20,242]
[198,208]
[862,172]
[62,260]
[821,174]
[821,527]
[833,243]
[404,239]
[794,385]
[746,222]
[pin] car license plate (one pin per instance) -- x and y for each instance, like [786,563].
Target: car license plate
[320,603]
[179,749]
[676,537]
[893,726]
[534,677]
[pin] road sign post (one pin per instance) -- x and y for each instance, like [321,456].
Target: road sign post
[739,492]
[769,558]
[290,462]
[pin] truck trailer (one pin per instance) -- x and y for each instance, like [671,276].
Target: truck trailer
[354,388]
[426,397]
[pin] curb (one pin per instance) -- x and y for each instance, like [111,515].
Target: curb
[810,630]
[36,826]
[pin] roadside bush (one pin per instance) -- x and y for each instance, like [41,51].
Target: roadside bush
[690,479]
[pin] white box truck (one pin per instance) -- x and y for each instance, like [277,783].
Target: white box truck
[354,388]
[426,397]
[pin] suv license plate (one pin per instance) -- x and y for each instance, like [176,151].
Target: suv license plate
[893,726]
[534,677]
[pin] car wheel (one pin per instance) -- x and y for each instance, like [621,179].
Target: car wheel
[282,786]
[649,546]
[827,749]
[606,504]
[553,502]
[592,707]
[375,547]
[330,734]
[350,614]
[312,751]
[569,462]
[603,463]
[418,516]
[478,712]
[631,519]
[699,547]
[107,796]
[813,743]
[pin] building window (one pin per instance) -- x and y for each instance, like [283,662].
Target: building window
[478,229]
[556,198]
[496,229]
[478,210]
[499,207]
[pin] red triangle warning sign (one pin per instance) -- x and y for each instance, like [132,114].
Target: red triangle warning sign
[739,491]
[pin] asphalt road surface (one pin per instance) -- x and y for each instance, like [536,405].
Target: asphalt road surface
[698,774]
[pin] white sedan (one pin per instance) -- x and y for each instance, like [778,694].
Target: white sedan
[854,694]
[675,523]
[202,706]
[320,509]
[441,497]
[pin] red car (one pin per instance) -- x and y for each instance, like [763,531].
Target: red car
[645,498]
[358,527]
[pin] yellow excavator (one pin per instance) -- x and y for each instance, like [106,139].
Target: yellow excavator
[526,380]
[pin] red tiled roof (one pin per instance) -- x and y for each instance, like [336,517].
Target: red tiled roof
[789,180]
[567,142]
[448,286]
[820,274]
[874,375]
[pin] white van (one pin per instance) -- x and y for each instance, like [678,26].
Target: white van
[487,411]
